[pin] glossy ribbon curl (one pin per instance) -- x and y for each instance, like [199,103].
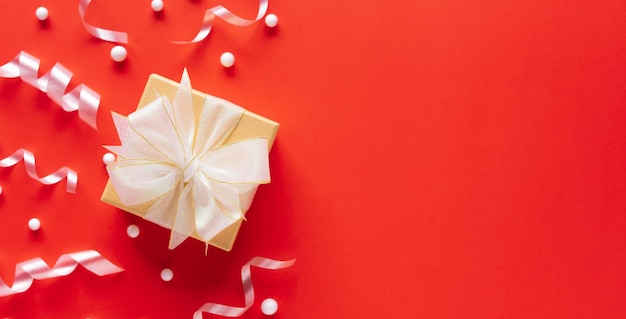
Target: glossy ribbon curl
[54,83]
[246,280]
[31,170]
[100,33]
[226,15]
[172,158]
[27,271]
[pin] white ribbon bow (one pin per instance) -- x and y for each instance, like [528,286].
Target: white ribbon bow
[174,160]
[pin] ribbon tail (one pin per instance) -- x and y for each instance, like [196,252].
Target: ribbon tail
[184,223]
[211,218]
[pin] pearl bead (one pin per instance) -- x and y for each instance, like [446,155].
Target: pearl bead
[271,20]
[118,53]
[132,231]
[167,274]
[0,190]
[269,306]
[108,158]
[227,59]
[34,224]
[41,13]
[157,5]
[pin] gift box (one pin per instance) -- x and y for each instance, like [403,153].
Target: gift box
[249,126]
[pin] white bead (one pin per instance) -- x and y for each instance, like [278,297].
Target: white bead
[132,231]
[41,13]
[118,53]
[227,59]
[269,306]
[167,274]
[108,158]
[271,20]
[0,190]
[34,224]
[157,5]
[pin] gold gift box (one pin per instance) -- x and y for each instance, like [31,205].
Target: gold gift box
[251,125]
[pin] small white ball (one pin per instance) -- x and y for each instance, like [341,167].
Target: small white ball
[227,59]
[118,53]
[167,274]
[269,306]
[34,224]
[108,158]
[271,20]
[41,13]
[0,190]
[157,5]
[132,231]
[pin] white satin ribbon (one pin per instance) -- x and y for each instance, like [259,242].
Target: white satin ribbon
[226,15]
[100,33]
[54,83]
[193,183]
[27,271]
[248,289]
[31,170]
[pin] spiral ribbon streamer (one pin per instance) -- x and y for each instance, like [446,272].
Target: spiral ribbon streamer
[100,33]
[226,15]
[31,170]
[207,23]
[246,280]
[27,271]
[54,83]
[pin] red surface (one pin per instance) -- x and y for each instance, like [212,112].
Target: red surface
[436,159]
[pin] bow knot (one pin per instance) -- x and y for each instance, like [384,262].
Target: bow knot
[190,169]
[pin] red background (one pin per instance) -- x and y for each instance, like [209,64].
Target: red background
[436,159]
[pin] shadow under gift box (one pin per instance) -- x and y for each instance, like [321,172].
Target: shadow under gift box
[251,125]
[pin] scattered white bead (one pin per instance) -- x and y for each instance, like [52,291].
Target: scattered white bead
[41,13]
[132,231]
[167,274]
[34,224]
[271,20]
[157,5]
[227,59]
[108,158]
[118,53]
[269,306]
[0,190]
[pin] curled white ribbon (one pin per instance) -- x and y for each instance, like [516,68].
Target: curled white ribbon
[226,15]
[100,33]
[27,271]
[174,160]
[246,280]
[31,170]
[54,83]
